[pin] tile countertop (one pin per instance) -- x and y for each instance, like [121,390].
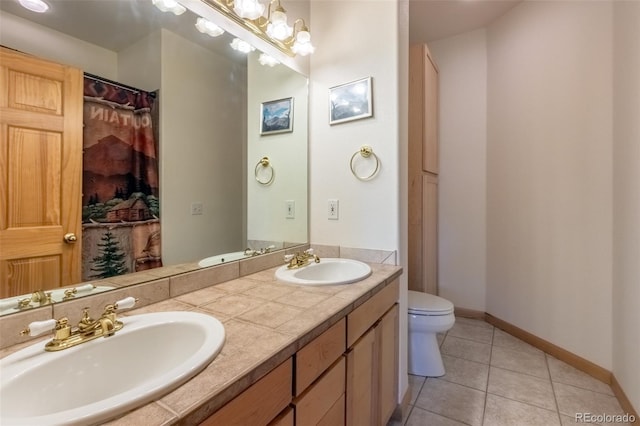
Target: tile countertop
[266,322]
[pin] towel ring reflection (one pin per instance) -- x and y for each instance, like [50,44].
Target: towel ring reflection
[365,151]
[265,163]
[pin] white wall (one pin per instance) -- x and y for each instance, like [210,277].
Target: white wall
[28,37]
[287,152]
[462,63]
[147,51]
[363,42]
[626,199]
[201,149]
[549,174]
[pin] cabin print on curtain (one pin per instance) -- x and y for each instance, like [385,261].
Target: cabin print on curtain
[120,206]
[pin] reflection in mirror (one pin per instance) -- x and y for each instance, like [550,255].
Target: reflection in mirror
[209,123]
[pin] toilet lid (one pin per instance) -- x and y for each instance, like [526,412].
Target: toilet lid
[428,304]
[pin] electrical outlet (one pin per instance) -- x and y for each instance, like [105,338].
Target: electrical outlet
[196,208]
[333,210]
[290,206]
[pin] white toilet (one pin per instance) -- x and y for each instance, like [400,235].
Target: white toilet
[428,315]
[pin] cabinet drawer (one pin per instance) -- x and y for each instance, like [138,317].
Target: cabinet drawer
[365,315]
[318,355]
[260,403]
[284,419]
[317,401]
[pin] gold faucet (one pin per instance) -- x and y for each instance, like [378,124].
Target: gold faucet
[41,297]
[65,336]
[70,293]
[250,252]
[299,260]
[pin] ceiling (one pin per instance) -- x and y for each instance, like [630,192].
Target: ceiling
[431,20]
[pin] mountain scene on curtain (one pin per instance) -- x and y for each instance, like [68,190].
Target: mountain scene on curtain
[120,205]
[113,191]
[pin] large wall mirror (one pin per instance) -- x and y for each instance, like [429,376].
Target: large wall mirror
[217,194]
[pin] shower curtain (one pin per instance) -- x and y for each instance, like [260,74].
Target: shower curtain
[120,205]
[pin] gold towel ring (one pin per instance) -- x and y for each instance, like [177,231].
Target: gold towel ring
[264,162]
[365,151]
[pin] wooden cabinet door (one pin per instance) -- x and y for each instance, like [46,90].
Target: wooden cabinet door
[430,233]
[430,137]
[423,160]
[40,173]
[361,361]
[317,404]
[387,365]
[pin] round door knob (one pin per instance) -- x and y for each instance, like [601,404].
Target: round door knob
[70,238]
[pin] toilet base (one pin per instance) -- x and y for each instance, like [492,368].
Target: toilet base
[424,357]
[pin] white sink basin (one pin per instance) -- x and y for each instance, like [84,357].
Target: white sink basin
[329,271]
[221,258]
[101,379]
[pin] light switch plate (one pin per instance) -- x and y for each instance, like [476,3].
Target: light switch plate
[290,209]
[332,209]
[196,208]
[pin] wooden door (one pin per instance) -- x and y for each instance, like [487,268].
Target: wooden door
[40,173]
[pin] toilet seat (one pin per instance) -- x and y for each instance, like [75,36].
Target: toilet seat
[428,304]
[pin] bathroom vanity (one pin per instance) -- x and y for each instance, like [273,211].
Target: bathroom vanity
[293,354]
[343,376]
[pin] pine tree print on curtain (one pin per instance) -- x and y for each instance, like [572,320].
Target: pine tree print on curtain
[120,206]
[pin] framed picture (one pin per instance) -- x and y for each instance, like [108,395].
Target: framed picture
[276,116]
[350,101]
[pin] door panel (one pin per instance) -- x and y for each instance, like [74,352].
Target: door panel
[41,173]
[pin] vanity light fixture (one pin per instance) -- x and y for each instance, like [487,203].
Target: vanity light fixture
[169,6]
[272,28]
[267,60]
[241,46]
[249,9]
[302,39]
[207,27]
[277,27]
[38,6]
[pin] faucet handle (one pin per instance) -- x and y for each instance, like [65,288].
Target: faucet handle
[309,251]
[126,303]
[38,327]
[288,257]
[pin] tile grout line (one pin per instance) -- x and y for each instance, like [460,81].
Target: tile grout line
[553,389]
[486,391]
[413,406]
[422,387]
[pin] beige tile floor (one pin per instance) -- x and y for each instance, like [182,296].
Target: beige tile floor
[495,379]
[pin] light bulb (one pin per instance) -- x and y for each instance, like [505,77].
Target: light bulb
[169,6]
[241,46]
[278,27]
[250,9]
[207,27]
[302,45]
[267,60]
[35,5]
